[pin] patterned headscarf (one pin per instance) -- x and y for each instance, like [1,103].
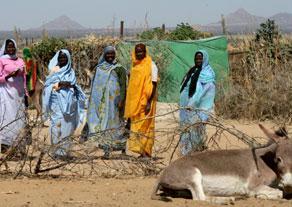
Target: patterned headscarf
[106,50]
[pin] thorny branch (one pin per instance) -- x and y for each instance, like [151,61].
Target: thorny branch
[87,159]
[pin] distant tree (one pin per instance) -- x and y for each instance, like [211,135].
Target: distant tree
[44,50]
[267,43]
[267,33]
[156,33]
[184,31]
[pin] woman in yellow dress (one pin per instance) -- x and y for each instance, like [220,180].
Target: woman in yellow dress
[141,102]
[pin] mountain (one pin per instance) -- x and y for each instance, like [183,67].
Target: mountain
[61,23]
[282,18]
[243,22]
[241,17]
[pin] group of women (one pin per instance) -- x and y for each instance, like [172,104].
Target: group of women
[119,100]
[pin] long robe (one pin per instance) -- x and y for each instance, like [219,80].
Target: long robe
[138,93]
[104,118]
[201,103]
[65,107]
[12,91]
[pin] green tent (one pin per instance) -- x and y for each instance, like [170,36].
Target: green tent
[174,58]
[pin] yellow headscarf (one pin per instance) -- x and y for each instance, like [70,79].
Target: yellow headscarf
[140,86]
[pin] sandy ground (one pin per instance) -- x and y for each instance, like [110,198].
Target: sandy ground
[100,193]
[128,191]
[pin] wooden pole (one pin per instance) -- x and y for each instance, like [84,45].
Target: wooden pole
[122,30]
[163,28]
[223,24]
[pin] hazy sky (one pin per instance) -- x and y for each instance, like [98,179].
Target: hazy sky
[100,13]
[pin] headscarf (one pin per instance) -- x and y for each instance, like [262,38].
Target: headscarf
[26,53]
[106,50]
[32,70]
[204,74]
[3,49]
[66,97]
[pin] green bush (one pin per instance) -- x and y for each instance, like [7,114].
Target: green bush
[182,31]
[44,50]
[154,34]
[267,33]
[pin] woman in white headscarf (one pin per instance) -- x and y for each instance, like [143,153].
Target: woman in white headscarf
[63,102]
[12,91]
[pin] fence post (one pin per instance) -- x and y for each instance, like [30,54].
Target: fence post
[163,28]
[122,30]
[223,24]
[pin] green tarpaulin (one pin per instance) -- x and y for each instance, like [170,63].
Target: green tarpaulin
[174,59]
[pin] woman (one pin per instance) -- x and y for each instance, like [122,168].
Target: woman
[32,71]
[63,102]
[196,101]
[106,105]
[12,91]
[141,102]
[34,87]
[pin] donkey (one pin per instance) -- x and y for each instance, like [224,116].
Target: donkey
[220,176]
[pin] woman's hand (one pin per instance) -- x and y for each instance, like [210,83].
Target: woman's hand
[55,69]
[13,74]
[62,84]
[188,108]
[121,105]
[56,87]
[148,107]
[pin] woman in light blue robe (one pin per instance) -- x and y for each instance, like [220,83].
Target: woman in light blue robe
[197,96]
[106,105]
[63,102]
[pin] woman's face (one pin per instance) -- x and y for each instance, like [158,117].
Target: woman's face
[10,48]
[140,53]
[62,59]
[199,60]
[110,56]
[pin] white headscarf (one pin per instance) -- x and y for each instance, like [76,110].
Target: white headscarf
[2,50]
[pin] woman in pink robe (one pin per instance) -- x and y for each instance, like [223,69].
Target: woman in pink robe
[12,91]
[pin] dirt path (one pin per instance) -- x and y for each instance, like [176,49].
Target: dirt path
[98,192]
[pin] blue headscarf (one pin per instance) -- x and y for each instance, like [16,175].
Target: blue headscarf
[105,51]
[67,98]
[207,75]
[204,74]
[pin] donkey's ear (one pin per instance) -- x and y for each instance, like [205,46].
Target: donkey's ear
[282,132]
[270,134]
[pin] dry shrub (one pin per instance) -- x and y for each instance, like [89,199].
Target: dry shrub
[260,83]
[86,158]
[85,53]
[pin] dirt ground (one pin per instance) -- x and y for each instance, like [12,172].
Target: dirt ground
[128,191]
[100,193]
